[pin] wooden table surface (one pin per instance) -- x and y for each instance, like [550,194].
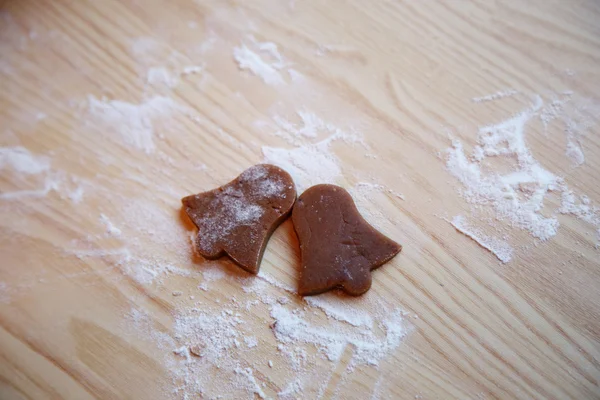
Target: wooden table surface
[112,111]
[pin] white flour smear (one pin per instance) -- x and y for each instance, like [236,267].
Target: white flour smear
[503,192]
[308,165]
[191,70]
[202,353]
[262,59]
[111,229]
[340,309]
[309,162]
[152,243]
[161,76]
[368,187]
[518,195]
[19,159]
[27,169]
[580,207]
[133,124]
[498,247]
[310,126]
[576,117]
[291,328]
[208,350]
[365,196]
[5,296]
[495,96]
[162,67]
[292,391]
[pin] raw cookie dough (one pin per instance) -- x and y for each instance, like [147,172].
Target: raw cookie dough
[338,247]
[238,218]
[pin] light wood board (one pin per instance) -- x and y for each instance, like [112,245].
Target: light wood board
[399,74]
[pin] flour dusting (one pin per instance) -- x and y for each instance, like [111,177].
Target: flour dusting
[19,159]
[28,169]
[498,247]
[577,116]
[311,160]
[264,60]
[134,124]
[161,76]
[291,327]
[253,62]
[495,96]
[231,208]
[505,192]
[111,229]
[308,165]
[518,196]
[206,351]
[340,309]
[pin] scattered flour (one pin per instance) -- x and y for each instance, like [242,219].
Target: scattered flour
[500,248]
[292,391]
[253,385]
[76,196]
[291,328]
[371,187]
[580,207]
[49,185]
[340,309]
[5,296]
[503,192]
[574,153]
[29,169]
[311,125]
[253,62]
[191,70]
[133,123]
[161,76]
[212,273]
[518,195]
[251,341]
[308,165]
[364,195]
[211,340]
[205,351]
[495,96]
[19,159]
[110,228]
[264,60]
[308,162]
[152,242]
[271,280]
[577,116]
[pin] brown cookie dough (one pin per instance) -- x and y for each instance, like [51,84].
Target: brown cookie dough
[338,247]
[238,218]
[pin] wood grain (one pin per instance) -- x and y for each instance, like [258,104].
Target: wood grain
[402,73]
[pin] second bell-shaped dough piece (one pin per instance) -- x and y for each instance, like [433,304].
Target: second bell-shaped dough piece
[338,247]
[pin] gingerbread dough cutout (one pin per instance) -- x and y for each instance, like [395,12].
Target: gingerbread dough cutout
[238,218]
[339,249]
